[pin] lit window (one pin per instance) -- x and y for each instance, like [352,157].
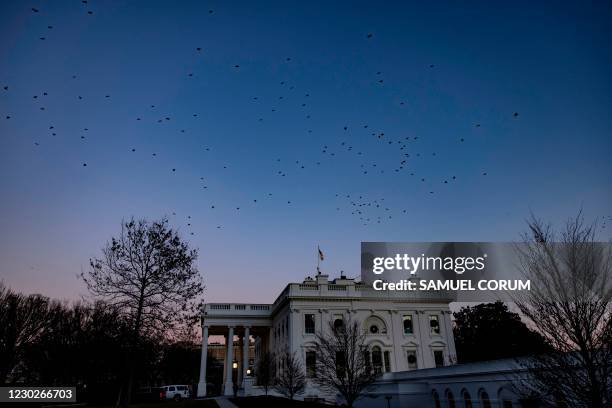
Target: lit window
[439,358]
[434,324]
[408,324]
[309,323]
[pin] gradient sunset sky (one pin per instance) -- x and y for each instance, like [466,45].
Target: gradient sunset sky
[273,86]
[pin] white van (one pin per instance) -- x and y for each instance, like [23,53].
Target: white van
[175,392]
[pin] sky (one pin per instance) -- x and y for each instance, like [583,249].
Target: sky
[259,113]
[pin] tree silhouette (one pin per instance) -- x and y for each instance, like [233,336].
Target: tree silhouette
[266,371]
[148,274]
[291,380]
[342,361]
[569,304]
[82,344]
[23,319]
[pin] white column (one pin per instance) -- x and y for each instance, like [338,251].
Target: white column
[237,356]
[423,336]
[245,354]
[449,337]
[202,382]
[229,385]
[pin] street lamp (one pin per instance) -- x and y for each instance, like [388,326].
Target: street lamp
[234,365]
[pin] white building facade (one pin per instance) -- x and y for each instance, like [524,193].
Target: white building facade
[403,333]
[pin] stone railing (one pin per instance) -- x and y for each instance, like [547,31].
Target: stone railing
[352,290]
[236,309]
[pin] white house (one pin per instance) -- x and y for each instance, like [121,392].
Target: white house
[404,332]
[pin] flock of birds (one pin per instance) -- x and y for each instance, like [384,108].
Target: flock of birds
[404,150]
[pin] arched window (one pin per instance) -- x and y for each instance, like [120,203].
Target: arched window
[485,401]
[375,325]
[467,399]
[450,399]
[436,399]
[377,361]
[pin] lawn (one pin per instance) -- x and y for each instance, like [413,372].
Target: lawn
[274,402]
[207,403]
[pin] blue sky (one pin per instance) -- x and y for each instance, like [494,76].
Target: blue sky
[446,67]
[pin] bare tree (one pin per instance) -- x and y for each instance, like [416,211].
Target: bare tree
[148,273]
[569,304]
[291,380]
[343,364]
[23,319]
[265,371]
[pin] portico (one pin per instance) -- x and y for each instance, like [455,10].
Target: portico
[230,320]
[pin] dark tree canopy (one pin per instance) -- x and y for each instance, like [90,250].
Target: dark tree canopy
[148,273]
[44,342]
[490,331]
[23,320]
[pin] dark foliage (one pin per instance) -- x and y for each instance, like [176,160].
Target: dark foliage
[45,342]
[490,331]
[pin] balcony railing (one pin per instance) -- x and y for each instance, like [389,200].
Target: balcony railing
[323,290]
[357,290]
[237,309]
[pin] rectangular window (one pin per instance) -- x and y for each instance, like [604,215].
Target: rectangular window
[309,323]
[387,358]
[439,358]
[408,324]
[412,360]
[311,364]
[434,324]
[340,364]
